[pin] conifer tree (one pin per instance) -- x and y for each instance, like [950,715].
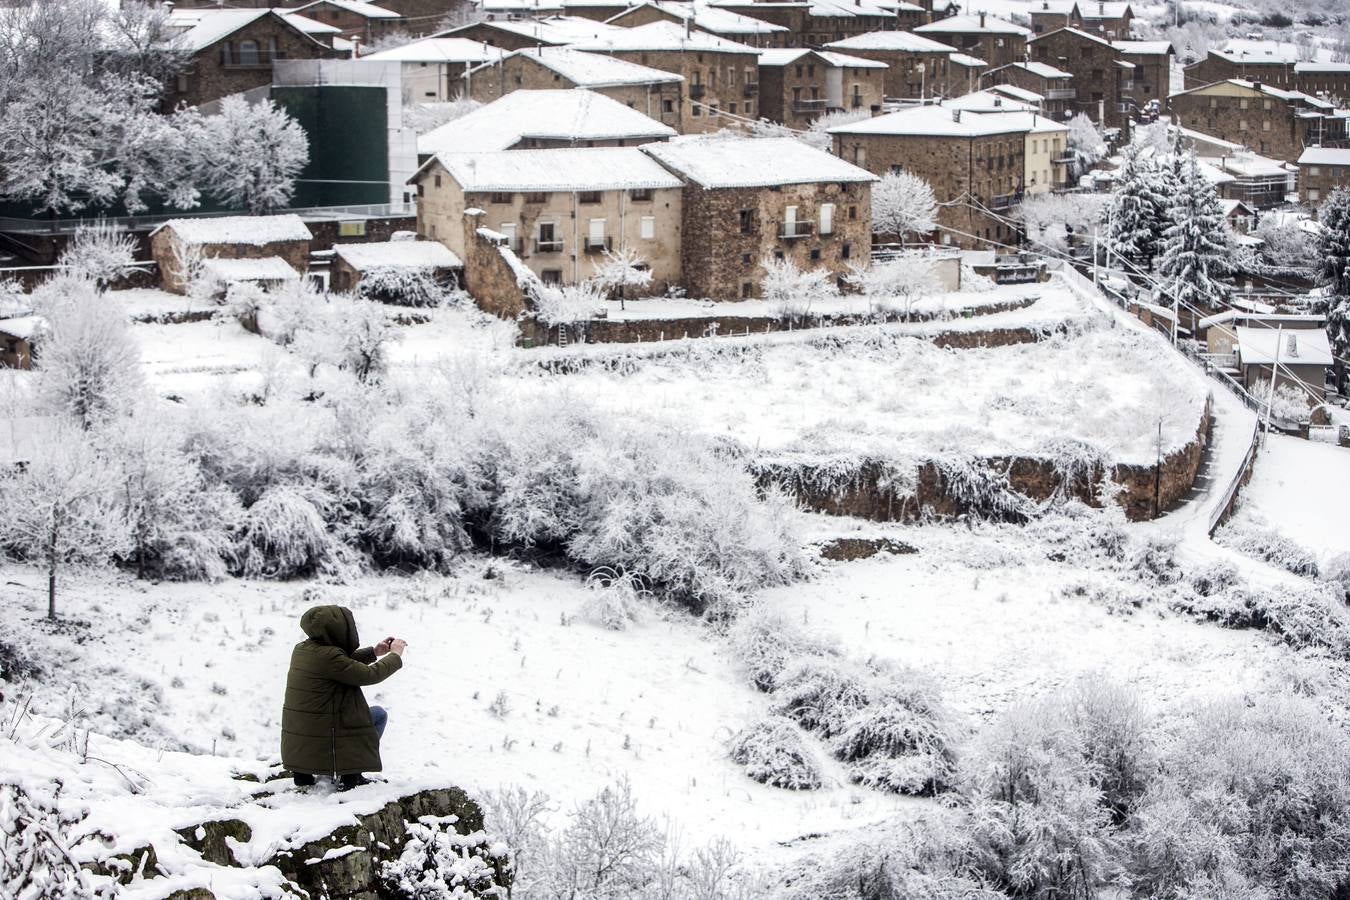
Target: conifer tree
[1195,243]
[1138,209]
[1334,271]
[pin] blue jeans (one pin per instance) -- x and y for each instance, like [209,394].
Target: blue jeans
[379,718]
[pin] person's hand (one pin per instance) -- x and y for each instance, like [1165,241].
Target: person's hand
[383,646]
[398,646]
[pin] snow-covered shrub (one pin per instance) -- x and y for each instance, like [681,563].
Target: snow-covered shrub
[1048,218]
[89,365]
[1336,571]
[251,155]
[607,849]
[1289,403]
[903,205]
[1252,537]
[102,253]
[822,693]
[424,117]
[895,285]
[364,334]
[1154,560]
[901,739]
[1253,800]
[403,286]
[35,860]
[790,291]
[1086,145]
[615,599]
[774,751]
[622,269]
[566,304]
[438,863]
[285,535]
[1077,532]
[1213,578]
[765,643]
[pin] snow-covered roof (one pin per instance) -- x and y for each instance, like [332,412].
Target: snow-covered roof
[937,121]
[1017,93]
[556,30]
[1076,32]
[365,10]
[1043,70]
[965,59]
[1295,346]
[196,29]
[1248,50]
[398,255]
[1202,138]
[566,169]
[1033,122]
[852,9]
[310,26]
[1231,206]
[972,24]
[440,50]
[988,101]
[1324,156]
[253,231]
[561,115]
[22,327]
[1144,48]
[264,268]
[661,36]
[1246,164]
[787,56]
[1322,68]
[709,18]
[596,70]
[715,161]
[903,41]
[1217,319]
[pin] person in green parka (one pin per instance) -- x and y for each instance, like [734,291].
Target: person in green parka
[326,726]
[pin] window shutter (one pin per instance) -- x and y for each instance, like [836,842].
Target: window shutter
[827,218]
[648,228]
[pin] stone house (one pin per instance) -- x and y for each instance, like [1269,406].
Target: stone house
[1238,215]
[715,20]
[1265,61]
[354,19]
[720,76]
[1270,121]
[232,50]
[598,10]
[1104,19]
[976,164]
[179,242]
[1151,78]
[807,206]
[526,120]
[993,40]
[549,31]
[798,86]
[653,92]
[917,67]
[1320,171]
[1099,73]
[1054,86]
[835,20]
[1299,353]
[559,209]
[965,72]
[18,340]
[433,68]
[354,262]
[1330,81]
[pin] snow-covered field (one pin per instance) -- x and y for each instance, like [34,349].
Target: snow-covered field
[1303,489]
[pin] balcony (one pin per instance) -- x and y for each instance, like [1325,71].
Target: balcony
[599,245]
[1062,94]
[1005,201]
[548,246]
[696,92]
[751,89]
[791,230]
[810,106]
[262,59]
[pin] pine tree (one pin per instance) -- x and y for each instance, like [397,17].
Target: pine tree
[1138,211]
[1196,247]
[1334,271]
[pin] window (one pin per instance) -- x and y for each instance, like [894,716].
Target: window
[778,254]
[731,108]
[508,230]
[641,195]
[853,213]
[1314,196]
[1266,104]
[667,106]
[1265,124]
[588,197]
[695,110]
[1213,102]
[1242,124]
[749,107]
[248,53]
[1098,74]
[1243,103]
[827,218]
[502,196]
[352,229]
[420,191]
[595,234]
[747,221]
[747,290]
[745,259]
[551,276]
[1314,171]
[648,228]
[799,71]
[438,181]
[548,238]
[182,84]
[815,253]
[846,252]
[536,197]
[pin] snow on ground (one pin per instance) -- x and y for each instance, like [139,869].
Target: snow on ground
[1302,489]
[941,306]
[152,303]
[193,356]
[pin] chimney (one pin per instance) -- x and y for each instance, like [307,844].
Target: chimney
[998,101]
[1291,347]
[1101,8]
[981,20]
[688,26]
[956,115]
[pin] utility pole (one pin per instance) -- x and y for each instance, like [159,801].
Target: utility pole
[1274,370]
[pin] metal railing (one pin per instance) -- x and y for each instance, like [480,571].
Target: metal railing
[813,105]
[751,88]
[696,91]
[548,246]
[790,230]
[1062,94]
[599,245]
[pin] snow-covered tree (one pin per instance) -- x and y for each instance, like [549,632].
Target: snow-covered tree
[622,269]
[792,290]
[1334,272]
[402,286]
[63,509]
[1287,244]
[556,304]
[35,858]
[363,334]
[101,252]
[894,285]
[903,204]
[1049,217]
[1196,247]
[252,154]
[89,363]
[1085,144]
[424,117]
[1137,215]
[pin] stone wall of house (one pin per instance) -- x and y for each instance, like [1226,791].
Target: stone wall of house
[208,77]
[904,78]
[1215,68]
[1315,183]
[1333,83]
[494,278]
[713,81]
[1096,76]
[1151,80]
[1245,116]
[797,94]
[296,253]
[327,232]
[722,260]
[661,101]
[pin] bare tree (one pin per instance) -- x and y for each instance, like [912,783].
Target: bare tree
[902,204]
[89,367]
[101,252]
[622,269]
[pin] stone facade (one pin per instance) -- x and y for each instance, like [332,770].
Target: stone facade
[1058,90]
[493,275]
[559,236]
[1101,19]
[505,38]
[647,14]
[662,101]
[994,47]
[241,61]
[1316,181]
[1098,76]
[802,91]
[913,74]
[728,232]
[1328,80]
[162,250]
[989,170]
[714,81]
[1268,124]
[1215,67]
[1150,80]
[352,24]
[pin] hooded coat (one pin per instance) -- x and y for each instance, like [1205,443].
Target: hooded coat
[325,722]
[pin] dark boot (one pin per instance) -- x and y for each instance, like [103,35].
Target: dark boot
[303,780]
[347,782]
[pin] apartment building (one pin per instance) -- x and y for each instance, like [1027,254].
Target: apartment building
[996,41]
[1103,19]
[653,92]
[976,164]
[559,209]
[724,23]
[916,66]
[1267,120]
[798,86]
[1100,74]
[1054,86]
[746,200]
[1320,171]
[433,68]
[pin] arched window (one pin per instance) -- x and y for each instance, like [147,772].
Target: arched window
[248,53]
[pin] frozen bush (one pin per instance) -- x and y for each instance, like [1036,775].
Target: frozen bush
[606,850]
[1074,531]
[1154,561]
[1253,537]
[102,253]
[438,863]
[1213,578]
[822,694]
[284,535]
[1253,800]
[615,598]
[790,291]
[403,287]
[765,642]
[1336,571]
[35,860]
[774,751]
[566,305]
[901,740]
